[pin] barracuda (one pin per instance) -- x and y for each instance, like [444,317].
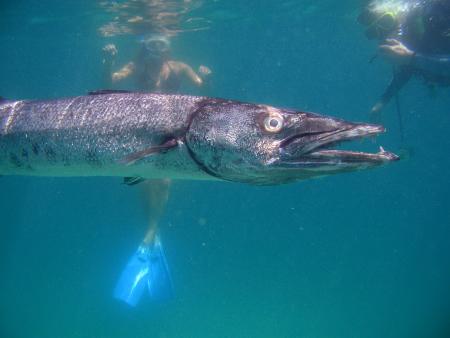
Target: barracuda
[176,136]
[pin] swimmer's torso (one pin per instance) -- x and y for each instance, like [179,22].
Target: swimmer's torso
[158,78]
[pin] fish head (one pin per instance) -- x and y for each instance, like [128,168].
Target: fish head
[264,145]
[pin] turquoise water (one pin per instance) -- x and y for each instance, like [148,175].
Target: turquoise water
[364,254]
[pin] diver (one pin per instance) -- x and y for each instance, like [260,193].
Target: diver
[414,36]
[153,70]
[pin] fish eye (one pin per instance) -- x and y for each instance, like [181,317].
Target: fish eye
[273,123]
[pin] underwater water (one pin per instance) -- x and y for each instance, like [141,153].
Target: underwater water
[364,254]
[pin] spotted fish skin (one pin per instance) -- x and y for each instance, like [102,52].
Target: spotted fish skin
[145,136]
[91,135]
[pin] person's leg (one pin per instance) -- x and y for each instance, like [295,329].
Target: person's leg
[156,194]
[147,267]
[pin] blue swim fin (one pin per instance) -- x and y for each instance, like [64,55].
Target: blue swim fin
[147,268]
[159,283]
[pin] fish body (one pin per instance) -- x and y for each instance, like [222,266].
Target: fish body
[174,136]
[91,135]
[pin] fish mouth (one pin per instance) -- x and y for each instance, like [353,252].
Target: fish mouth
[313,150]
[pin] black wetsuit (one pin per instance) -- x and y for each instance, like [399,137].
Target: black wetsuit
[425,31]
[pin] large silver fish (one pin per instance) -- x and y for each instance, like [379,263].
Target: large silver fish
[176,136]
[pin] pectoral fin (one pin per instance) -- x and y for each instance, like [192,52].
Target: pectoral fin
[134,157]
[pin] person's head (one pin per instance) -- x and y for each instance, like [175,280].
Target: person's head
[378,24]
[155,47]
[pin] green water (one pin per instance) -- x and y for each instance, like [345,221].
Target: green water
[359,255]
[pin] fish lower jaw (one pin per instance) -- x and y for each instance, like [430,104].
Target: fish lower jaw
[354,156]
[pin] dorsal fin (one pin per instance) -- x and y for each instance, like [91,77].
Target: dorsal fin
[108,91]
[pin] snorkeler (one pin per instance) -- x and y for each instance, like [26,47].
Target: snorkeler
[415,37]
[153,70]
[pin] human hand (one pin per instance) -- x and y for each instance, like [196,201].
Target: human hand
[204,71]
[109,54]
[377,107]
[396,51]
[375,112]
[110,50]
[116,77]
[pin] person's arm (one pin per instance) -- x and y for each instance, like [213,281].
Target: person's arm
[399,79]
[181,68]
[397,52]
[400,54]
[190,74]
[124,72]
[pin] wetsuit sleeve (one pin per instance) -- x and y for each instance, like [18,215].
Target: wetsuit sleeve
[434,64]
[401,76]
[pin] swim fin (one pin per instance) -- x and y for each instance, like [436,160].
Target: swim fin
[147,268]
